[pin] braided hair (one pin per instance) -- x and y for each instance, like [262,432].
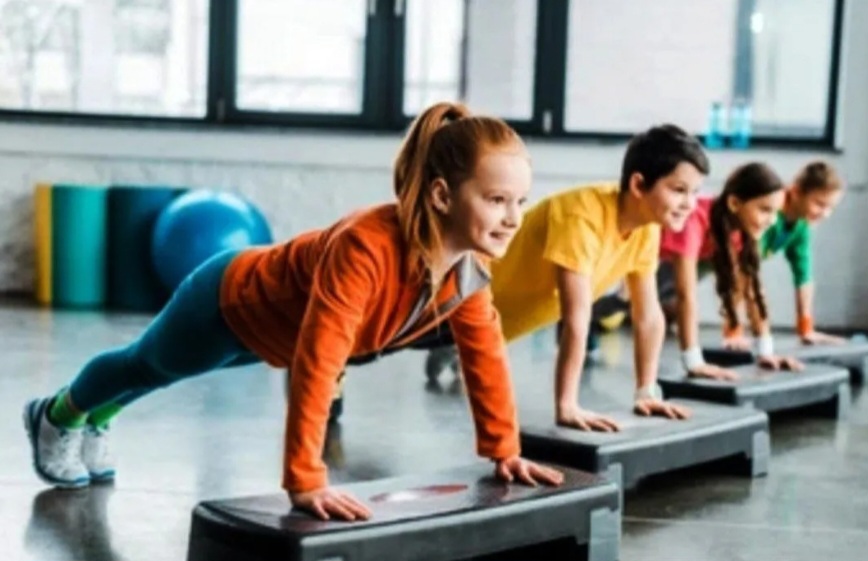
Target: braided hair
[737,269]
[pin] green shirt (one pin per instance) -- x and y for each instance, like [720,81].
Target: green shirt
[794,239]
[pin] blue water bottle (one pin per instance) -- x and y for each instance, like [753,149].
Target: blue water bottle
[742,124]
[716,133]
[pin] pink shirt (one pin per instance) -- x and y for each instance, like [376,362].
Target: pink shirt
[694,240]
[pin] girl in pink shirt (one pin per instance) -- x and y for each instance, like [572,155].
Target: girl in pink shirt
[721,235]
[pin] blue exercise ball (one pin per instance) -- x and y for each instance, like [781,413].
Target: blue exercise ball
[199,225]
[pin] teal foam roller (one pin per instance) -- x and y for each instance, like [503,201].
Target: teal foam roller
[78,238]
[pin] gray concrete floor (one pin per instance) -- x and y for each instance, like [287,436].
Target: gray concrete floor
[220,436]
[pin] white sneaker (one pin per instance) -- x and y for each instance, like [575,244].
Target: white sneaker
[439,359]
[96,455]
[56,451]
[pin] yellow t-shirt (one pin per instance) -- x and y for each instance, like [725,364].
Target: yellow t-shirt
[575,229]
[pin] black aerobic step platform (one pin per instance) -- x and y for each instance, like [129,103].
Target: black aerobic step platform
[462,513]
[852,355]
[649,445]
[770,390]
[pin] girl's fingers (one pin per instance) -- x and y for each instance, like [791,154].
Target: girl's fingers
[503,472]
[335,506]
[683,412]
[600,425]
[548,475]
[359,509]
[524,474]
[319,510]
[611,424]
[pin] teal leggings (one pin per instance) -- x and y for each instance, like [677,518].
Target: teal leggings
[189,337]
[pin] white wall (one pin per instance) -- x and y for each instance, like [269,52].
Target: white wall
[304,179]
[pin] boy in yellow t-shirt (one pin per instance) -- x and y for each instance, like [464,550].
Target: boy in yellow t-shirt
[577,230]
[574,246]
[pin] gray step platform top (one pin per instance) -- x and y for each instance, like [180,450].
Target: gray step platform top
[852,349]
[649,445]
[769,390]
[755,380]
[638,431]
[851,355]
[450,514]
[464,489]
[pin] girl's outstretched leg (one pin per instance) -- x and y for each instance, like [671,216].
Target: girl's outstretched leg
[188,337]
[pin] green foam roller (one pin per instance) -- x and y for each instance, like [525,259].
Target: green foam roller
[78,242]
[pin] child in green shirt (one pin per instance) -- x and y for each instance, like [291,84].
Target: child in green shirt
[811,198]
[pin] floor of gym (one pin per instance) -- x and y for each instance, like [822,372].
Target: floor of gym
[220,436]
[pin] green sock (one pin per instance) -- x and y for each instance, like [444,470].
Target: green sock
[63,414]
[102,415]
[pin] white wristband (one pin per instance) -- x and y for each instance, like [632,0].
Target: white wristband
[651,391]
[692,358]
[765,345]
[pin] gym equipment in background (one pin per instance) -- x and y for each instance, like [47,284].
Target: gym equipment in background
[70,223]
[132,213]
[199,225]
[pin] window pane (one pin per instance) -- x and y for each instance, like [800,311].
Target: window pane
[301,55]
[631,64]
[122,57]
[792,55]
[452,54]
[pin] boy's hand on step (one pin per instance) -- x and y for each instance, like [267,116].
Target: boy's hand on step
[582,419]
[713,372]
[657,407]
[776,362]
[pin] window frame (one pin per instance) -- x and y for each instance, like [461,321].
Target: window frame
[383,95]
[827,140]
[378,88]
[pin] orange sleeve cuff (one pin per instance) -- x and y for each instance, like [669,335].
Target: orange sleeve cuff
[732,332]
[505,448]
[300,484]
[805,325]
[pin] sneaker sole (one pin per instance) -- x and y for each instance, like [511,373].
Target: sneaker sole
[31,435]
[106,477]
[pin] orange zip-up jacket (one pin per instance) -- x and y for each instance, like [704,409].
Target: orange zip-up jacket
[327,295]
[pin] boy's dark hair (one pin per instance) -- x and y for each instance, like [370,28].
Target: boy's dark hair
[656,152]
